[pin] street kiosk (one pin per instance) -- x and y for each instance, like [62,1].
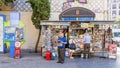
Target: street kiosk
[13,31]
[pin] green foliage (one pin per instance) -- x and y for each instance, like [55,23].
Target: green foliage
[6,2]
[1,2]
[41,11]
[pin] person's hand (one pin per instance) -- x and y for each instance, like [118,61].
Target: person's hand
[63,42]
[59,42]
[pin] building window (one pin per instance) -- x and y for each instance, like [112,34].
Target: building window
[113,17]
[114,0]
[114,14]
[114,6]
[119,6]
[82,1]
[119,12]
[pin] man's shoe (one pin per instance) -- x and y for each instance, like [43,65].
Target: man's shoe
[71,57]
[84,58]
[62,62]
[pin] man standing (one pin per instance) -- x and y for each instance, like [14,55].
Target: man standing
[87,41]
[61,48]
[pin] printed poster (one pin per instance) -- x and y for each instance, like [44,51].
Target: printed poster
[112,51]
[1,34]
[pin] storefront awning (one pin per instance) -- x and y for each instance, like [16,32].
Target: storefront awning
[67,23]
[103,22]
[55,23]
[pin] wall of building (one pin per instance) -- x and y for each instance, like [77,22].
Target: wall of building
[31,32]
[114,9]
[99,7]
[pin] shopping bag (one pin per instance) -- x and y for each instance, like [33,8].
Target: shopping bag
[72,46]
[54,56]
[66,53]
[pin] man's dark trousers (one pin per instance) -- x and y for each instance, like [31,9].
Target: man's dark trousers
[61,55]
[86,50]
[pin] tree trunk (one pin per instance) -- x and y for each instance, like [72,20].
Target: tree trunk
[36,46]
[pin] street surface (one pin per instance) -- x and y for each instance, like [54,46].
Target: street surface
[31,60]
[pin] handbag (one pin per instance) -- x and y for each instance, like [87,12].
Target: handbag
[72,46]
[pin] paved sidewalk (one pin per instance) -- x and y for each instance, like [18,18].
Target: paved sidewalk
[31,60]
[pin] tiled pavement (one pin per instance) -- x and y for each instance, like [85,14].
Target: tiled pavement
[30,60]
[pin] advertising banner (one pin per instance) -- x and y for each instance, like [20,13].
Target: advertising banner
[84,25]
[1,33]
[112,49]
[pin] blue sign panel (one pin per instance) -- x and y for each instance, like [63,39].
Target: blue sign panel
[9,33]
[12,49]
[72,19]
[69,19]
[86,19]
[65,19]
[78,19]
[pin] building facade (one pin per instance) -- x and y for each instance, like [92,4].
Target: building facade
[103,9]
[99,7]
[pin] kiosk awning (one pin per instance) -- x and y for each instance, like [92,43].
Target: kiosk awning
[55,23]
[103,22]
[67,23]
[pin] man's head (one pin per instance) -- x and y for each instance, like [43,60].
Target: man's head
[86,34]
[61,35]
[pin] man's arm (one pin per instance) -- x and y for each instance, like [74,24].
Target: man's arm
[90,39]
[84,39]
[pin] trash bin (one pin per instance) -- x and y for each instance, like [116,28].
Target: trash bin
[48,55]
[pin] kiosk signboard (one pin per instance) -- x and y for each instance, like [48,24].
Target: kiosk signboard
[1,33]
